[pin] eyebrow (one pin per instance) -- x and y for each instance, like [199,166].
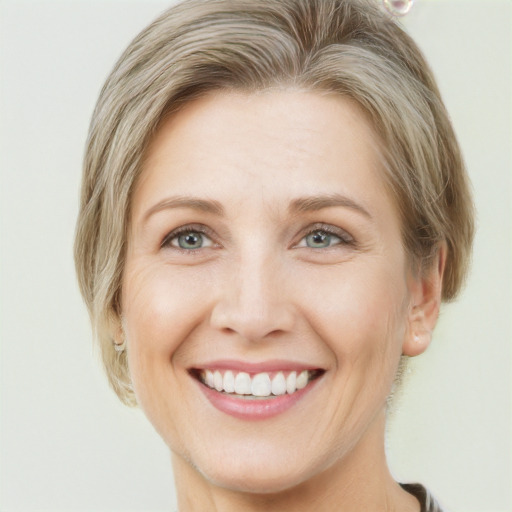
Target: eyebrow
[194,203]
[299,205]
[314,203]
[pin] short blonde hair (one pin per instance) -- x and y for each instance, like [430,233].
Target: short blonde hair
[349,47]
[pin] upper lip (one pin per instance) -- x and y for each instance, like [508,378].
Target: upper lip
[256,367]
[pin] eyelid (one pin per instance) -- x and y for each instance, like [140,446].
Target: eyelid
[345,237]
[187,228]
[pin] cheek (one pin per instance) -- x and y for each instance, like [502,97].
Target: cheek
[159,300]
[361,310]
[160,308]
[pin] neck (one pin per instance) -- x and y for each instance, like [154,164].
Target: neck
[359,482]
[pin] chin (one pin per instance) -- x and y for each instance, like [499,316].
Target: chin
[257,472]
[256,481]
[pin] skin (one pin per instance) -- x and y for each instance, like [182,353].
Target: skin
[255,291]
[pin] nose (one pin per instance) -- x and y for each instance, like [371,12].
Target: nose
[253,302]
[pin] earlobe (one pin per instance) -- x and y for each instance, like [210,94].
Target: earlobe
[117,334]
[416,343]
[426,295]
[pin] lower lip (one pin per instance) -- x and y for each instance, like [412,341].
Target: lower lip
[254,409]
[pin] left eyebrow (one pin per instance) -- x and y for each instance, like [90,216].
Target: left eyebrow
[314,203]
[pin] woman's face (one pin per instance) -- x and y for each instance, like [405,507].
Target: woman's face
[265,259]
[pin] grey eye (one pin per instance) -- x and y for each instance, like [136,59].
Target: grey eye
[321,239]
[190,240]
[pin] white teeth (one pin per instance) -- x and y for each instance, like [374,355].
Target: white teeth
[302,380]
[261,385]
[279,384]
[243,384]
[291,383]
[217,381]
[229,382]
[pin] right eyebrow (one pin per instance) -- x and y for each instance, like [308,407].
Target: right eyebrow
[194,203]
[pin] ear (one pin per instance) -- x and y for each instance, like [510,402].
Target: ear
[425,301]
[116,331]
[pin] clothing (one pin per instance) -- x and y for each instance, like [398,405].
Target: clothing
[427,501]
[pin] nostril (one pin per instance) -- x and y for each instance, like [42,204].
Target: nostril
[253,324]
[228,330]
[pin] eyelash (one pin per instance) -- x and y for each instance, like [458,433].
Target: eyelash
[345,238]
[182,230]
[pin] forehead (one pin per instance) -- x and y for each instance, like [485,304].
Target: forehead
[273,144]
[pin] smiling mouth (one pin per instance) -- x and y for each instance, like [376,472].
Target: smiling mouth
[263,385]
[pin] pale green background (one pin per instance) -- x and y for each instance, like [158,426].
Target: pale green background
[66,442]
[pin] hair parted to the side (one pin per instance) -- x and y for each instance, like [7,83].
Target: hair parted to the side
[348,47]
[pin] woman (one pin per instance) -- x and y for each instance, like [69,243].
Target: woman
[274,206]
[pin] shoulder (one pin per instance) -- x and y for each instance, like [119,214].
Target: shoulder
[427,501]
